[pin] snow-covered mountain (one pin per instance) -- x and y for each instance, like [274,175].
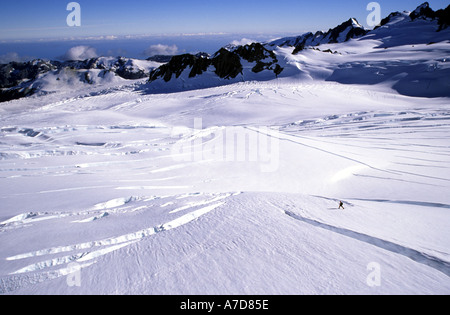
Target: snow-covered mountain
[227,63]
[410,69]
[256,61]
[342,33]
[20,79]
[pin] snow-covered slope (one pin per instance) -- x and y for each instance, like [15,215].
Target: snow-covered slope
[235,188]
[119,192]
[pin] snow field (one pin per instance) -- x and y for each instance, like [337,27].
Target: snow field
[99,181]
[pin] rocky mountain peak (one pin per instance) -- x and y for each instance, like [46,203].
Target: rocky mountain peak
[423,11]
[226,63]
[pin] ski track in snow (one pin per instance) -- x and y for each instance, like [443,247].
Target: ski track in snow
[434,262]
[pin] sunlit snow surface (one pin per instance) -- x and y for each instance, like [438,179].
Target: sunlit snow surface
[231,189]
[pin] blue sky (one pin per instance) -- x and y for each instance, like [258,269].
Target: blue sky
[32,19]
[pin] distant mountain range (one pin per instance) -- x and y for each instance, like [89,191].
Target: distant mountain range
[21,79]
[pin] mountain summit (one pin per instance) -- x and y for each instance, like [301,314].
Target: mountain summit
[341,33]
[425,12]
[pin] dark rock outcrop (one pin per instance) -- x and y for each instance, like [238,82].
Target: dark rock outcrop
[341,33]
[423,11]
[443,17]
[344,32]
[14,73]
[226,63]
[198,63]
[17,78]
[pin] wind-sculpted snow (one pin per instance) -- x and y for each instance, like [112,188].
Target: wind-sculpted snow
[91,250]
[172,194]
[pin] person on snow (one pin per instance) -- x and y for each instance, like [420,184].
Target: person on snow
[341,205]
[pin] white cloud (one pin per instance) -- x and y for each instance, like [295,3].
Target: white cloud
[242,42]
[80,53]
[161,49]
[13,56]
[9,57]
